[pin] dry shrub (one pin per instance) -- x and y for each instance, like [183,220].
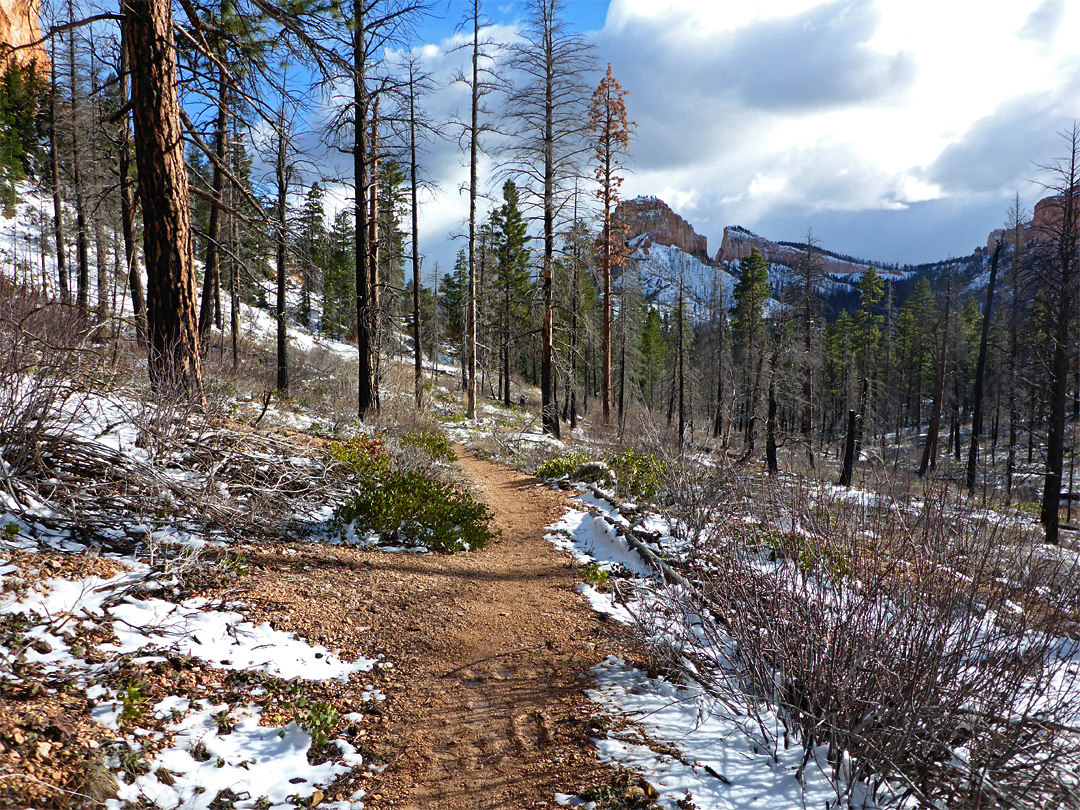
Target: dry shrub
[915,646]
[45,364]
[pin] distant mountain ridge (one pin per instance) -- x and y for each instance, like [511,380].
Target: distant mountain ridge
[669,254]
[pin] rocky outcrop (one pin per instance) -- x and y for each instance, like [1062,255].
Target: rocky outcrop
[738,242]
[19,26]
[653,218]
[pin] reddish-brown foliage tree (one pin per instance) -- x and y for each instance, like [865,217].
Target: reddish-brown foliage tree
[612,130]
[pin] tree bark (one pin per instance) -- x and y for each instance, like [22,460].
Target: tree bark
[848,470]
[210,309]
[280,173]
[127,208]
[174,361]
[980,373]
[365,310]
[474,135]
[58,209]
[418,361]
[929,456]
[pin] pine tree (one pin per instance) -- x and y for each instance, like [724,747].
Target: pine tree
[511,276]
[549,109]
[310,230]
[174,359]
[607,120]
[751,292]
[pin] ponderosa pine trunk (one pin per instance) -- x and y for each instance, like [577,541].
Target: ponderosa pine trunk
[173,338]
[280,174]
[418,360]
[471,308]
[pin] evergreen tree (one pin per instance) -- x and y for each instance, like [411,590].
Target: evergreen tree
[751,293]
[310,238]
[511,276]
[21,126]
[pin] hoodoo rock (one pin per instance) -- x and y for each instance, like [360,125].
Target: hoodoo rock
[653,218]
[19,26]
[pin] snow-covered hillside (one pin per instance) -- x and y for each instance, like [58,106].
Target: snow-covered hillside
[662,269]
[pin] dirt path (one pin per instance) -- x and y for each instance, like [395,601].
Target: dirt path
[484,704]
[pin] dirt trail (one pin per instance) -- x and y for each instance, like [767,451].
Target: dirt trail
[484,704]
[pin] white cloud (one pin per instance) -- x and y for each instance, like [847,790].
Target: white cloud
[783,110]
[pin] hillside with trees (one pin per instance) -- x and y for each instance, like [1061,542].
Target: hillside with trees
[292,516]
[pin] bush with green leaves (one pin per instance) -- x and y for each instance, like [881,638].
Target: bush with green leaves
[595,575]
[434,444]
[637,474]
[318,718]
[412,508]
[562,466]
[362,455]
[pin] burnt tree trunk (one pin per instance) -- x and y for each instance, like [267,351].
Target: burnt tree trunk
[980,373]
[174,361]
[210,309]
[127,208]
[58,209]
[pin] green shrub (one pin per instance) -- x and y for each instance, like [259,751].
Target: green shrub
[132,697]
[317,718]
[561,466]
[363,456]
[410,507]
[453,418]
[434,444]
[637,475]
[595,575]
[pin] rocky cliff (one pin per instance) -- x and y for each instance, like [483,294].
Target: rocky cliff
[738,242]
[652,218]
[19,26]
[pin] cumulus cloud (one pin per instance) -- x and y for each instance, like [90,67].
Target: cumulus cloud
[1000,151]
[1042,24]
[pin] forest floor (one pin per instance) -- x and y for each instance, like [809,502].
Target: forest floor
[484,703]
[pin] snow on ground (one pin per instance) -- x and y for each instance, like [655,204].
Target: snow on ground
[262,762]
[125,608]
[719,764]
[265,763]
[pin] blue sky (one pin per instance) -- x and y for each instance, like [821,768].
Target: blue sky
[898,130]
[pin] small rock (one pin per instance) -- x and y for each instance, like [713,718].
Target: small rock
[44,751]
[316,798]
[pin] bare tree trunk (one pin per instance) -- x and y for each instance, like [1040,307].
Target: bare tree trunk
[418,359]
[280,174]
[474,136]
[980,373]
[929,457]
[365,309]
[58,209]
[174,360]
[127,208]
[848,470]
[770,425]
[210,309]
[374,258]
[82,250]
